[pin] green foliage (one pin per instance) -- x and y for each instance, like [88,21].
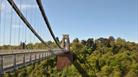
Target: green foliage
[22,73]
[7,75]
[103,57]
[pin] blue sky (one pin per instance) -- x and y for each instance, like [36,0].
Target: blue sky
[94,18]
[80,18]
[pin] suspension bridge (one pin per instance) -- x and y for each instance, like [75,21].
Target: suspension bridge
[14,52]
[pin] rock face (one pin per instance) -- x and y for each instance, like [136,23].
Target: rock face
[64,60]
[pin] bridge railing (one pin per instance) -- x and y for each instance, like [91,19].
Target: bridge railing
[12,61]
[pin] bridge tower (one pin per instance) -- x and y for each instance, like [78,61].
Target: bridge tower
[65,59]
[65,43]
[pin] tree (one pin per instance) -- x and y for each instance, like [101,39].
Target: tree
[90,43]
[83,42]
[120,42]
[76,40]
[29,46]
[111,58]
[111,38]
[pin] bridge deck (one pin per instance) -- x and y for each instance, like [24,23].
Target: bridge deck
[11,60]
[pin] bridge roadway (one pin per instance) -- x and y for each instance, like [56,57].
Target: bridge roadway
[13,59]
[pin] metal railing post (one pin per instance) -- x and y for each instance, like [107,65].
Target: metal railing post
[1,66]
[39,56]
[35,56]
[30,57]
[14,62]
[24,59]
[45,55]
[42,55]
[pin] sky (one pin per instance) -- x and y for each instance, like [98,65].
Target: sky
[79,18]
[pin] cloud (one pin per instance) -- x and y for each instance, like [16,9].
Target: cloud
[16,26]
[7,7]
[27,6]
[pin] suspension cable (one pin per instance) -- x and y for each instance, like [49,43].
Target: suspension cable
[35,24]
[0,19]
[47,22]
[19,23]
[4,24]
[19,13]
[11,22]
[25,29]
[33,21]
